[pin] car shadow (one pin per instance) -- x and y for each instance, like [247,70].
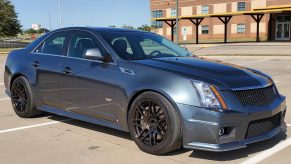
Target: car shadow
[235,154]
[90,126]
[211,156]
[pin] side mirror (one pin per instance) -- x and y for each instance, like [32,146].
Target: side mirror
[94,54]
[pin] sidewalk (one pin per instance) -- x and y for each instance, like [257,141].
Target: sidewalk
[241,49]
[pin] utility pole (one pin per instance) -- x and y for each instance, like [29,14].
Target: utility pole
[177,21]
[60,11]
[50,21]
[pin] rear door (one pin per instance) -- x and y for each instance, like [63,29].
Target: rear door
[46,60]
[88,86]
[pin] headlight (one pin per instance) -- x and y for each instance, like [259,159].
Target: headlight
[209,96]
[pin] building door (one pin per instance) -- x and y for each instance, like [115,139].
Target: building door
[283,28]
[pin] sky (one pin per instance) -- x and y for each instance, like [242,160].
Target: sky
[100,13]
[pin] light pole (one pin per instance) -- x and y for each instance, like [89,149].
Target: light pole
[60,12]
[177,21]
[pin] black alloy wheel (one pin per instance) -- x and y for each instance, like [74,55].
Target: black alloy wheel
[150,123]
[22,98]
[154,124]
[19,97]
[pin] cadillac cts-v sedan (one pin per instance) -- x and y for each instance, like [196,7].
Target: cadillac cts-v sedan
[144,84]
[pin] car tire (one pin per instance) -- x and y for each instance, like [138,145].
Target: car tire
[154,124]
[22,98]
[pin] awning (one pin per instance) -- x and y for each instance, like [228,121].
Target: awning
[257,14]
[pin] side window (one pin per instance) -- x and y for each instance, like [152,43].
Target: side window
[54,45]
[117,44]
[82,41]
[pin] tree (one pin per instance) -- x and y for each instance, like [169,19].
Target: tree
[30,31]
[145,27]
[33,31]
[42,31]
[9,24]
[127,26]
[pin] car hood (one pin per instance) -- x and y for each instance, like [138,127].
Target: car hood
[223,75]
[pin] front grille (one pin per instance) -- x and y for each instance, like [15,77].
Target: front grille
[262,126]
[256,97]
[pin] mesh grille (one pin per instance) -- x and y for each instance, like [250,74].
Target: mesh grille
[262,126]
[256,97]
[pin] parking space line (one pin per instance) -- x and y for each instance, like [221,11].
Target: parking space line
[1,83]
[5,99]
[33,126]
[269,152]
[289,125]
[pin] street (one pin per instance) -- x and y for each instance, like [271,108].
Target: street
[55,139]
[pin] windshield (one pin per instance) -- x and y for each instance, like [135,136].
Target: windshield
[142,45]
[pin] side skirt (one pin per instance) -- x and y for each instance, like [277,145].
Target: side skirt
[79,117]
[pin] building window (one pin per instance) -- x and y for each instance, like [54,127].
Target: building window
[241,6]
[241,28]
[205,29]
[173,12]
[205,9]
[157,14]
[283,18]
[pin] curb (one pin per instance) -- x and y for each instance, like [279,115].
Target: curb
[4,53]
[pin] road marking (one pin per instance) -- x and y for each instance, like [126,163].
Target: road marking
[289,125]
[276,81]
[269,152]
[289,66]
[1,83]
[5,99]
[33,126]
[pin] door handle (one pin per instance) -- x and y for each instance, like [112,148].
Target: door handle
[35,64]
[68,71]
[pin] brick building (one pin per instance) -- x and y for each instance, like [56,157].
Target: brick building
[273,26]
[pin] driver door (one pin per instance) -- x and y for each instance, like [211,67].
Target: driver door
[88,86]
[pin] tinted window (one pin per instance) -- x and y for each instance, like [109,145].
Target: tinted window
[82,41]
[54,45]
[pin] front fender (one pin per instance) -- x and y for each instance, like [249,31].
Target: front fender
[178,90]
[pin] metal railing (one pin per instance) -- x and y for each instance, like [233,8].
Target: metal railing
[12,44]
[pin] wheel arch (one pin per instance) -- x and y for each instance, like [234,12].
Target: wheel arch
[15,76]
[167,96]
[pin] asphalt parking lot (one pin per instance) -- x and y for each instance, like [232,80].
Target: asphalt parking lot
[54,139]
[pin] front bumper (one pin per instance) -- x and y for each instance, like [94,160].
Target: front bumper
[201,127]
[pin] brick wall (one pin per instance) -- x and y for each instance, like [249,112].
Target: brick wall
[215,25]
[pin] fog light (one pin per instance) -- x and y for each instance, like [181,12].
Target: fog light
[221,132]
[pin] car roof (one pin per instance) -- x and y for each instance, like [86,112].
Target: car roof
[100,29]
[91,29]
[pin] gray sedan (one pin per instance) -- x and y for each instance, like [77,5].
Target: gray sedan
[144,84]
